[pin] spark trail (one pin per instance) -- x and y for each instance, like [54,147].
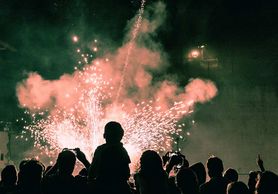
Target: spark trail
[130,46]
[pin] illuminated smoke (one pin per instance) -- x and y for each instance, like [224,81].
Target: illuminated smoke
[72,111]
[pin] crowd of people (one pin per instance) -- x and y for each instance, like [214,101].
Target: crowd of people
[109,173]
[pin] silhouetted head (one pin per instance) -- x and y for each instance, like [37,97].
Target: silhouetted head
[267,183]
[113,132]
[186,180]
[237,188]
[215,167]
[22,164]
[8,175]
[150,162]
[252,180]
[66,162]
[200,172]
[231,175]
[31,173]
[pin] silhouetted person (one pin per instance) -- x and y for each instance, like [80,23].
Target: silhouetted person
[81,181]
[8,179]
[217,184]
[267,183]
[237,188]
[187,181]
[151,179]
[174,161]
[200,172]
[59,178]
[252,180]
[231,175]
[21,164]
[173,188]
[30,177]
[109,171]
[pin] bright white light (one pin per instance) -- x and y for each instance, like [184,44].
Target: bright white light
[195,53]
[75,38]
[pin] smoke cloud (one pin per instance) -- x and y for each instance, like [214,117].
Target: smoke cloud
[36,92]
[102,79]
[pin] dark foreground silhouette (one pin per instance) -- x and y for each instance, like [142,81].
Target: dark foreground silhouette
[109,173]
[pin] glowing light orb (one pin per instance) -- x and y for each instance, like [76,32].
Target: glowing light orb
[195,54]
[75,38]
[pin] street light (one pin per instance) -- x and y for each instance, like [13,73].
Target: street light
[195,54]
[203,56]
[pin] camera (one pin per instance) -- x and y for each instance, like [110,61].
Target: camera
[176,159]
[75,150]
[171,154]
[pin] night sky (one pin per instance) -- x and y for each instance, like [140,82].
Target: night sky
[36,36]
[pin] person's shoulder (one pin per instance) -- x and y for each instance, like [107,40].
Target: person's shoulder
[101,147]
[219,180]
[213,183]
[126,153]
[123,148]
[204,187]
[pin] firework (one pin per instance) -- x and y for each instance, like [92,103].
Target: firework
[146,125]
[73,110]
[85,101]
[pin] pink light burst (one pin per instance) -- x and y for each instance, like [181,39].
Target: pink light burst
[146,124]
[71,111]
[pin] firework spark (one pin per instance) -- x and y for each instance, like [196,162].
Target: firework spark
[135,31]
[71,112]
[146,125]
